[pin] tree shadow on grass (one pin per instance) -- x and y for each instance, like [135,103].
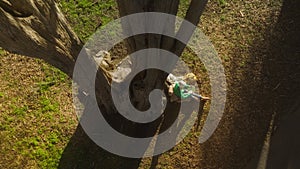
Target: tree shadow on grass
[82,153]
[282,68]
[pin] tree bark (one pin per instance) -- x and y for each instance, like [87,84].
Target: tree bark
[38,29]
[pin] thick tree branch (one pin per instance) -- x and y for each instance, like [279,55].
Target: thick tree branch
[38,29]
[193,15]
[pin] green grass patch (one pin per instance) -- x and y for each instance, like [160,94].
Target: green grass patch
[87,15]
[222,2]
[1,51]
[48,105]
[20,111]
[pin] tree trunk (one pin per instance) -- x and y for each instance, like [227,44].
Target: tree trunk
[149,80]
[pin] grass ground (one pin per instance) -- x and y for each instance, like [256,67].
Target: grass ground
[36,113]
[37,119]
